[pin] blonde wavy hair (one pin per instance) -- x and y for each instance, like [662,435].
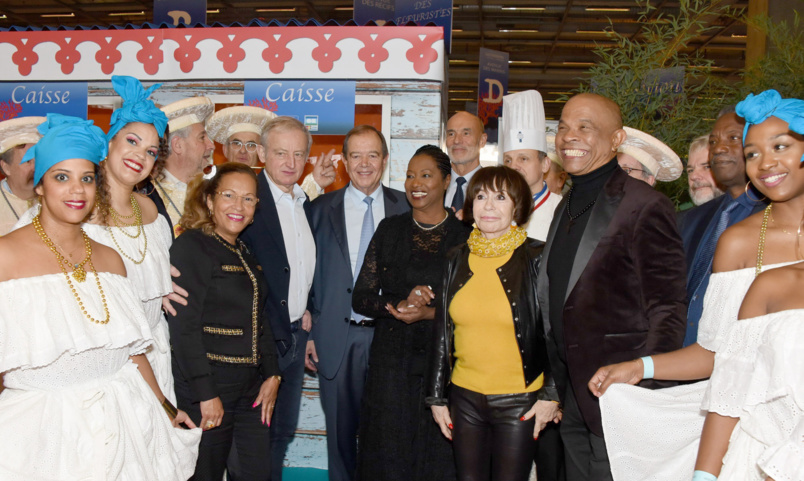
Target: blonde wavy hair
[196,213]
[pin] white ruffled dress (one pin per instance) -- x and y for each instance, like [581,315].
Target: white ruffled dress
[653,435]
[152,281]
[75,407]
[758,378]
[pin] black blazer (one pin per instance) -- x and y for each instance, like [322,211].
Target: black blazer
[264,239]
[519,275]
[219,326]
[626,296]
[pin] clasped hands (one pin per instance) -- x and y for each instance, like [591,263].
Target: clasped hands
[415,307]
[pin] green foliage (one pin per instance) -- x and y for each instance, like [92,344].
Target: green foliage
[782,67]
[630,73]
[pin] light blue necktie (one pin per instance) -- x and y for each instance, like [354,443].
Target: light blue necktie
[366,232]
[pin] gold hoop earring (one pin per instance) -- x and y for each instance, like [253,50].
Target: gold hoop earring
[753,199]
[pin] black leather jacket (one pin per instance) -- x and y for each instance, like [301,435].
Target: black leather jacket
[518,276]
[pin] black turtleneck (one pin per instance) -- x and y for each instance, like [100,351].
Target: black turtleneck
[585,189]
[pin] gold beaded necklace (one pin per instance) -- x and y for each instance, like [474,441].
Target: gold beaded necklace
[119,221]
[78,276]
[762,231]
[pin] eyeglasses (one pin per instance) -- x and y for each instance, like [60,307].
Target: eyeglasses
[237,144]
[628,170]
[248,199]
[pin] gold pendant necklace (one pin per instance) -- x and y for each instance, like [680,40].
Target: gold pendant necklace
[79,273]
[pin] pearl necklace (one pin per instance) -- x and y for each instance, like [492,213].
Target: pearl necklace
[79,274]
[446,214]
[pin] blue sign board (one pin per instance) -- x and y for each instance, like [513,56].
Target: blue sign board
[325,107]
[25,99]
[174,12]
[373,10]
[420,12]
[492,85]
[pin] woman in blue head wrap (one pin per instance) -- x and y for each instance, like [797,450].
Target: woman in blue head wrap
[770,128]
[128,221]
[755,426]
[81,400]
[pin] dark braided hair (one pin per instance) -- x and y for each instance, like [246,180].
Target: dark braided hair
[441,159]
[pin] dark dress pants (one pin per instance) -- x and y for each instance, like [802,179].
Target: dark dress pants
[587,459]
[288,401]
[550,455]
[489,440]
[241,427]
[340,398]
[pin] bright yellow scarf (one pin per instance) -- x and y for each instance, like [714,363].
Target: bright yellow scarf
[482,247]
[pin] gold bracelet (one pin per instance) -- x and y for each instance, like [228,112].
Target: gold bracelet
[277,377]
[170,409]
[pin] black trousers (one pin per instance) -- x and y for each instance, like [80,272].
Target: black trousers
[550,455]
[488,438]
[238,388]
[587,459]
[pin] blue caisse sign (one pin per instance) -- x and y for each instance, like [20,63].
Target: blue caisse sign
[24,99]
[325,107]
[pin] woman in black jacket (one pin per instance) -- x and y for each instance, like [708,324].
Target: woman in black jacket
[489,349]
[224,361]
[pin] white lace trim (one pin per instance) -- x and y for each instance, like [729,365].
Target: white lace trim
[40,319]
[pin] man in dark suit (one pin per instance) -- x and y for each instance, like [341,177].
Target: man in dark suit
[282,241]
[702,226]
[611,287]
[339,342]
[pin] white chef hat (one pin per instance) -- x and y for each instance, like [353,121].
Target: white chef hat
[523,121]
[231,120]
[186,112]
[21,130]
[654,154]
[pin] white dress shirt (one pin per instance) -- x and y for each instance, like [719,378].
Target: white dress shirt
[453,186]
[355,209]
[299,245]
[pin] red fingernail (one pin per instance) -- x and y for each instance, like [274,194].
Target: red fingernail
[255,404]
[535,438]
[269,424]
[450,425]
[522,418]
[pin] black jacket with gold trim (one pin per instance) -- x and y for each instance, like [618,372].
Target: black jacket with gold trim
[223,323]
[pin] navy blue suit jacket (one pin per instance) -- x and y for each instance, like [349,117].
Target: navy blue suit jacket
[332,285]
[692,226]
[264,239]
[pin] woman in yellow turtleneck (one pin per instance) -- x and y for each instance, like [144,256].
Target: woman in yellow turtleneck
[489,345]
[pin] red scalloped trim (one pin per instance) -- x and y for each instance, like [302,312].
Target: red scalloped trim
[276,53]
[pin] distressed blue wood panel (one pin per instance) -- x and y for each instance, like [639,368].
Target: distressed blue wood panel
[416,115]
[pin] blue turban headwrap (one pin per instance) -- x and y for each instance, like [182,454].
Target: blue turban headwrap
[755,109]
[136,106]
[65,137]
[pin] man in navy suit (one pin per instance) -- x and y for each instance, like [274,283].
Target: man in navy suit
[282,241]
[699,227]
[339,342]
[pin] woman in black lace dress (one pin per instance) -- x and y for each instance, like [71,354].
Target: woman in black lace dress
[398,439]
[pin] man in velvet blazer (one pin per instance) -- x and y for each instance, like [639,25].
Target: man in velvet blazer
[613,284]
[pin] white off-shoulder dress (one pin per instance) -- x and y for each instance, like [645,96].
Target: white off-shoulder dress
[759,378]
[653,435]
[152,281]
[75,406]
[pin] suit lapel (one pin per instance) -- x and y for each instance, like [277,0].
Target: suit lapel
[392,202]
[601,216]
[337,219]
[270,217]
[543,286]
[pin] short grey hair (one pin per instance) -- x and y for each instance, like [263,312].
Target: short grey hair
[699,143]
[182,133]
[285,123]
[729,109]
